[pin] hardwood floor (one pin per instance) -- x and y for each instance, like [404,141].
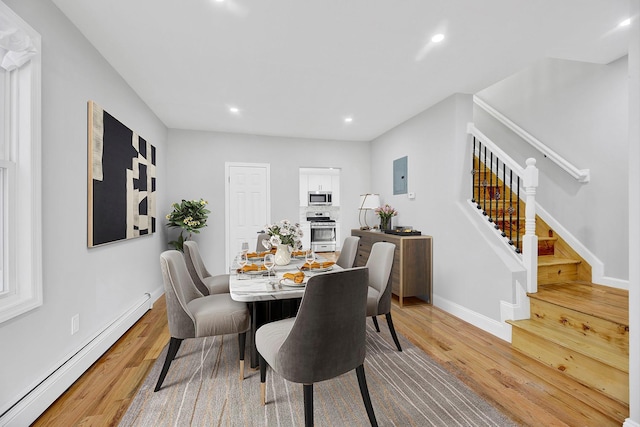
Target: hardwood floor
[523,389]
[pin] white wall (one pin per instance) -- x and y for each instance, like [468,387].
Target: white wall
[99,284]
[196,168]
[468,280]
[579,110]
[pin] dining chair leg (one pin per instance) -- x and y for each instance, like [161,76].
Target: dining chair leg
[393,331]
[375,322]
[308,405]
[263,379]
[174,346]
[364,391]
[242,340]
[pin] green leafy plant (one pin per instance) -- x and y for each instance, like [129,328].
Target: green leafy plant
[189,216]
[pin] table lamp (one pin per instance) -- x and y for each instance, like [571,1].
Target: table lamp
[368,201]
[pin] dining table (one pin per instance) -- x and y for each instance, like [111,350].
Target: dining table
[260,289]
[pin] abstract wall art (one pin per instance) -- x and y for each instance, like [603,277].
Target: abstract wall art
[121,180]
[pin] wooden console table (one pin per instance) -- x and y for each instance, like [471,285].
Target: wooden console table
[412,271]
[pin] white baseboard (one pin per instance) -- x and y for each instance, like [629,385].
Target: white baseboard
[630,423]
[499,329]
[35,401]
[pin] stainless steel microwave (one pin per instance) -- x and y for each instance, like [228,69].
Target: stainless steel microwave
[319,198]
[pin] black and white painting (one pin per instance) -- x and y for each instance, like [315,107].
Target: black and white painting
[122,181]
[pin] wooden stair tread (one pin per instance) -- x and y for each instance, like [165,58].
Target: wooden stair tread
[548,260]
[592,349]
[595,300]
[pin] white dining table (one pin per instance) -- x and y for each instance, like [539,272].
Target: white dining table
[259,288]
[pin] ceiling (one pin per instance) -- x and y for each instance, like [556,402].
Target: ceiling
[298,68]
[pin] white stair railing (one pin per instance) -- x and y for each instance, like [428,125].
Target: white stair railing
[581,175]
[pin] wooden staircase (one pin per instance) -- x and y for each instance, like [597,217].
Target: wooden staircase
[577,327]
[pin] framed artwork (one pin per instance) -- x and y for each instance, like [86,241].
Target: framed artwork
[400,175]
[121,180]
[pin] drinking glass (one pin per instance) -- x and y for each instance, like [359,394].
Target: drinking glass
[267,244]
[269,263]
[309,256]
[245,247]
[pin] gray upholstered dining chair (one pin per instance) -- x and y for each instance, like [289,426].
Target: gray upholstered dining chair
[348,252]
[193,315]
[206,283]
[380,263]
[259,246]
[326,339]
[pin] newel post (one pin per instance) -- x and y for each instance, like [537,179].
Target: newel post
[530,240]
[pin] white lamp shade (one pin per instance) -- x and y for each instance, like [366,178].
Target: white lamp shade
[369,201]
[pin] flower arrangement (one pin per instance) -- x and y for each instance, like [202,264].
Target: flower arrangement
[385,213]
[285,233]
[190,216]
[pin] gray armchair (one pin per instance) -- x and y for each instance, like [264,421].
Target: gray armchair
[206,283]
[379,299]
[348,252]
[326,339]
[192,315]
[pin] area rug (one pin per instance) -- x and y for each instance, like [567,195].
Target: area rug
[407,389]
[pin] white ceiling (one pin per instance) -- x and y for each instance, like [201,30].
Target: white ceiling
[298,67]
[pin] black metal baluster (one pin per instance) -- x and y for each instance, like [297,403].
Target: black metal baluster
[518,216]
[473,171]
[498,195]
[504,199]
[478,175]
[511,207]
[491,190]
[484,184]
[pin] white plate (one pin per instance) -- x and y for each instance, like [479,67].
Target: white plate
[316,270]
[290,283]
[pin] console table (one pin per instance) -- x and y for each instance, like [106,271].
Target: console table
[412,271]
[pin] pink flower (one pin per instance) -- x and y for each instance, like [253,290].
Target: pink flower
[386,211]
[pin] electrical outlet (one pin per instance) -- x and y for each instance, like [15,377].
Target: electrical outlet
[75,324]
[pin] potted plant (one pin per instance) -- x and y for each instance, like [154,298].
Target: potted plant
[189,216]
[385,213]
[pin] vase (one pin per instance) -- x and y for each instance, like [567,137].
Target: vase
[385,223]
[283,255]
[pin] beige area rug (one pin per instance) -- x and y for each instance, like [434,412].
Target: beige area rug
[407,389]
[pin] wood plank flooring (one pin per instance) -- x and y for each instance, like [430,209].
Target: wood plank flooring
[528,392]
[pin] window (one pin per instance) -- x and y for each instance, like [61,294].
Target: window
[20,233]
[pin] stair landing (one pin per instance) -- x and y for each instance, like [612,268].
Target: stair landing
[588,298]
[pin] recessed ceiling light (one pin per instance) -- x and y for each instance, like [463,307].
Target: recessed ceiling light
[625,22]
[437,38]
[234,110]
[348,119]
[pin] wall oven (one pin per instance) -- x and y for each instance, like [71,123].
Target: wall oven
[319,198]
[323,232]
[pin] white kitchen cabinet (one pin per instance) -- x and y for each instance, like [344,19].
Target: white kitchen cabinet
[319,179]
[318,182]
[304,189]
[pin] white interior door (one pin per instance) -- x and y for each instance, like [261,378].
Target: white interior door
[248,205]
